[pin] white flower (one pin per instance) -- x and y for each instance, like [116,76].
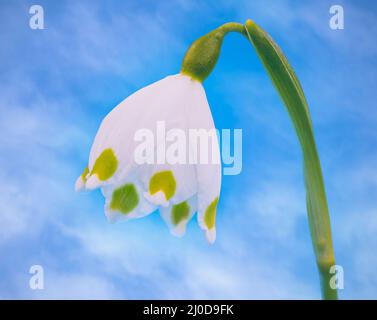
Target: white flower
[177,190]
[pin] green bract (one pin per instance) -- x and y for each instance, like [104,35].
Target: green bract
[202,56]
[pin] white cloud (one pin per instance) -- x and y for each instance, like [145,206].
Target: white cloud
[188,269]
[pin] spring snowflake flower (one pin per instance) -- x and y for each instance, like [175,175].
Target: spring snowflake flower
[135,190]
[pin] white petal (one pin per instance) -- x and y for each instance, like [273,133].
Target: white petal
[80,184]
[158,198]
[211,235]
[208,174]
[92,182]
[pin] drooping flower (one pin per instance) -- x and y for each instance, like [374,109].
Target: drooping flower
[178,190]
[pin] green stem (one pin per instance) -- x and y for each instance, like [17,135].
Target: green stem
[233,27]
[290,91]
[328,293]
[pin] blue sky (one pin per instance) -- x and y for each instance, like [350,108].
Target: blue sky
[59,83]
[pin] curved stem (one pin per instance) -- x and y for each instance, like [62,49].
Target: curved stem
[290,91]
[233,27]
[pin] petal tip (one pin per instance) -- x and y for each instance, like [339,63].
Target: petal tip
[201,222]
[92,182]
[79,184]
[158,198]
[211,235]
[179,231]
[111,215]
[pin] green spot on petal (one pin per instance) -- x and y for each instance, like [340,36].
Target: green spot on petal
[180,212]
[163,181]
[210,214]
[124,199]
[105,165]
[84,173]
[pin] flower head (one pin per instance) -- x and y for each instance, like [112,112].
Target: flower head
[177,190]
